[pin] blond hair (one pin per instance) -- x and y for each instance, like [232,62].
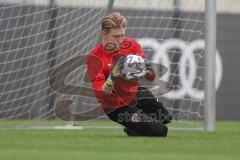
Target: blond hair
[113,20]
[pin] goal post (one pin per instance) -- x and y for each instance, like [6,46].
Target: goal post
[210,51]
[41,39]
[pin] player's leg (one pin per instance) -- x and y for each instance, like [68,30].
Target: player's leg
[149,129]
[152,107]
[122,116]
[156,110]
[136,123]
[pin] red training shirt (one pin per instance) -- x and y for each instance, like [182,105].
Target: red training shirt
[99,65]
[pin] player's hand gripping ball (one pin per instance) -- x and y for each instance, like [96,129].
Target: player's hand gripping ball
[134,68]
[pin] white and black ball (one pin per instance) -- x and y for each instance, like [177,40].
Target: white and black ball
[134,67]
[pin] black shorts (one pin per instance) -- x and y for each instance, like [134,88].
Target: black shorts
[146,115]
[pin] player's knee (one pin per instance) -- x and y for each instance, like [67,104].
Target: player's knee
[163,131]
[160,131]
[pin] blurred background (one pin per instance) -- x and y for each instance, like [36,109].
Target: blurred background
[38,36]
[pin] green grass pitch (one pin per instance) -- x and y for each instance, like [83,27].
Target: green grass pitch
[86,144]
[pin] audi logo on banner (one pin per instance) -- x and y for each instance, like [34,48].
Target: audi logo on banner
[187,64]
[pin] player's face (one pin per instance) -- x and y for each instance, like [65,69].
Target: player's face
[116,35]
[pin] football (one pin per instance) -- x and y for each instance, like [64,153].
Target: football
[134,68]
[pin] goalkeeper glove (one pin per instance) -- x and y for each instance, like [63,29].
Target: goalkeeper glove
[148,65]
[137,76]
[116,72]
[150,73]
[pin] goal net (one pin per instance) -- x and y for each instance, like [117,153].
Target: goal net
[42,38]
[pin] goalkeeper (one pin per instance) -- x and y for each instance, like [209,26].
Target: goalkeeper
[117,93]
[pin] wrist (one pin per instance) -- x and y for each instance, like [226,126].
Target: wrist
[107,89]
[110,80]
